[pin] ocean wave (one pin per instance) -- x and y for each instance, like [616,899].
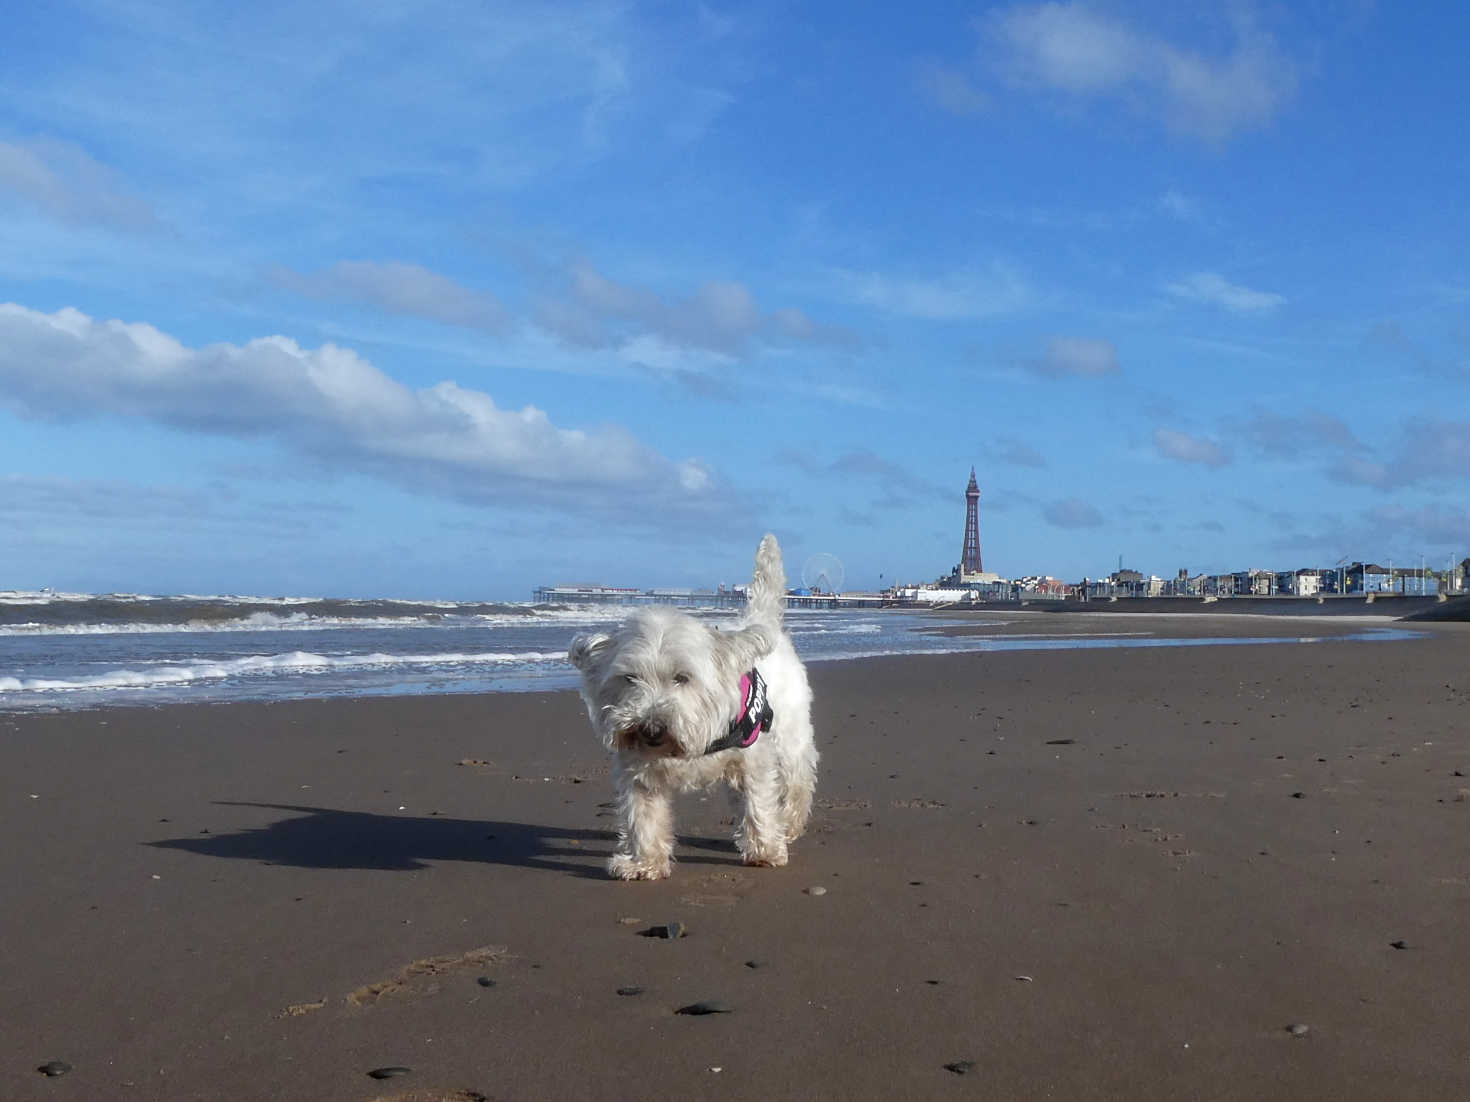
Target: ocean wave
[865,628]
[293,662]
[255,621]
[244,618]
[44,597]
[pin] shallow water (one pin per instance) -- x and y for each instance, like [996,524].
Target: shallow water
[79,651]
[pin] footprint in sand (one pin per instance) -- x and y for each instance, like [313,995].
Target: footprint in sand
[413,980]
[418,978]
[718,889]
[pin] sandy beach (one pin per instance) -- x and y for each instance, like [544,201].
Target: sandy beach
[1070,874]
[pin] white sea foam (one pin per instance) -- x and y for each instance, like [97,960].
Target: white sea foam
[39,596]
[299,621]
[51,596]
[865,628]
[256,621]
[293,662]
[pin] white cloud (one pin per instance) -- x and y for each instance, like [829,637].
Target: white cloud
[1288,436]
[1428,450]
[1433,449]
[695,372]
[1179,206]
[1213,289]
[721,317]
[1181,446]
[328,403]
[1017,453]
[1399,532]
[32,503]
[1080,357]
[696,112]
[1072,49]
[611,90]
[1360,471]
[398,288]
[966,295]
[843,393]
[1072,512]
[1067,46]
[901,487]
[65,182]
[951,89]
[337,111]
[1446,526]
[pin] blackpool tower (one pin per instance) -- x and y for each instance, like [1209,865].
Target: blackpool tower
[970,560]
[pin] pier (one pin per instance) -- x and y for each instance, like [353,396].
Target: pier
[612,595]
[706,598]
[1389,606]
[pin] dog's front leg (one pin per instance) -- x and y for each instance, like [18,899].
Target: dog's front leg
[645,832]
[761,838]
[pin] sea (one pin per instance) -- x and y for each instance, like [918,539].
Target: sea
[62,651]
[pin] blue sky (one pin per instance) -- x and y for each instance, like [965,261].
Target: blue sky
[417,299]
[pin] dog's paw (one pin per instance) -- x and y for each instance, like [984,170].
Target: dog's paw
[765,858]
[625,866]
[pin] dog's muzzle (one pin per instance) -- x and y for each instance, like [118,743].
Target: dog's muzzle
[652,735]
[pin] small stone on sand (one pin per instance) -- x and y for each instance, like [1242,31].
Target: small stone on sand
[961,1067]
[392,1071]
[1297,1029]
[816,890]
[54,1068]
[708,1006]
[632,989]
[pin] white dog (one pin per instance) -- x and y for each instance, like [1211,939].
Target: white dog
[682,705]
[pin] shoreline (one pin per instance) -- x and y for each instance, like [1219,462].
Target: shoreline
[1392,606]
[1087,873]
[992,630]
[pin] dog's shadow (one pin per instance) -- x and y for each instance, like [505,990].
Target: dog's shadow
[327,838]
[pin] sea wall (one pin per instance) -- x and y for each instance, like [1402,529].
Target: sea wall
[1390,607]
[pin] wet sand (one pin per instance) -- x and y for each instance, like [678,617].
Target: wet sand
[1067,874]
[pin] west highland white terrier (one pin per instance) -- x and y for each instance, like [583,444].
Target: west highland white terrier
[682,705]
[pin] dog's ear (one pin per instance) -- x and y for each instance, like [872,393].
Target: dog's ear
[742,648]
[587,650]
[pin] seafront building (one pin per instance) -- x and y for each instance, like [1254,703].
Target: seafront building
[970,583]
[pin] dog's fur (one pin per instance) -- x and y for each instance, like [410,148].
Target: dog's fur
[663,687]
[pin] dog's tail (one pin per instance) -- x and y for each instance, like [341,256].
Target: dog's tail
[766,598]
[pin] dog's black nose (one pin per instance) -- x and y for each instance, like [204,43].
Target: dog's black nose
[653,734]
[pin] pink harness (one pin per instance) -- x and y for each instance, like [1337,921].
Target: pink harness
[755,715]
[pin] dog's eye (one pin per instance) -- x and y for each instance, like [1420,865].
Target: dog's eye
[681,679]
[630,678]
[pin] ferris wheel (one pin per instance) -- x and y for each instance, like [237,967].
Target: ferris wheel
[823,573]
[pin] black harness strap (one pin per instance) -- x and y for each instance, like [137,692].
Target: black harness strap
[755,716]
